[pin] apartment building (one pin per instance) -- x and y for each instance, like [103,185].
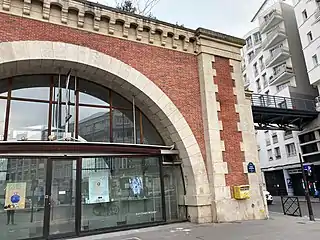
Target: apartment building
[274,65]
[308,20]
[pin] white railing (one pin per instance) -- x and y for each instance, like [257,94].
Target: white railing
[317,14]
[279,71]
[273,33]
[275,53]
[270,18]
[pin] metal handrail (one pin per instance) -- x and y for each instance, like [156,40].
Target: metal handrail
[269,101]
[280,70]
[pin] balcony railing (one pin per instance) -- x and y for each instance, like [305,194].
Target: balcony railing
[317,14]
[275,53]
[274,32]
[282,69]
[269,101]
[273,14]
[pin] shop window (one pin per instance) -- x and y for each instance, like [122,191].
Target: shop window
[131,195]
[23,192]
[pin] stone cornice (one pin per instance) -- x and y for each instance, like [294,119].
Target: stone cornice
[110,21]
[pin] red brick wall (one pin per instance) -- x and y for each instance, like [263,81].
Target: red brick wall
[230,134]
[171,70]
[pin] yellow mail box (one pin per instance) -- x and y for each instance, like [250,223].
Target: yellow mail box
[241,192]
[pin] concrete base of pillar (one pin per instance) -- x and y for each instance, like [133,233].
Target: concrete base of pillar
[240,210]
[200,214]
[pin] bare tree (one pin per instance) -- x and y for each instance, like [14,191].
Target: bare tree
[141,7]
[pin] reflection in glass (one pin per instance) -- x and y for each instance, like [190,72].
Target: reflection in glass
[150,134]
[29,112]
[33,93]
[94,94]
[120,191]
[174,190]
[59,120]
[28,121]
[94,124]
[3,106]
[122,126]
[62,202]
[22,187]
[37,87]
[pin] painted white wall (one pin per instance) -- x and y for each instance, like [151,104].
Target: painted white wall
[299,84]
[305,26]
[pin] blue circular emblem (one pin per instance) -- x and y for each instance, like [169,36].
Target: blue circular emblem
[15,198]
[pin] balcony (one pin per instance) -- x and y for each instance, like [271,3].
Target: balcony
[281,73]
[272,20]
[279,55]
[314,74]
[317,15]
[276,36]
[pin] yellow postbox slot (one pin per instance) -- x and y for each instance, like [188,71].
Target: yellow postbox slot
[241,192]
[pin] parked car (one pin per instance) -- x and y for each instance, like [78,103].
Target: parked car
[269,197]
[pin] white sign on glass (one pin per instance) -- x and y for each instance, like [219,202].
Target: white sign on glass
[99,187]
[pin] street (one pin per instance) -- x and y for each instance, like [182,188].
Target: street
[277,207]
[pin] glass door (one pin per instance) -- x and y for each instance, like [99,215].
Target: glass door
[60,198]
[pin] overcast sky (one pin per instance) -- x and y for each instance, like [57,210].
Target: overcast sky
[228,16]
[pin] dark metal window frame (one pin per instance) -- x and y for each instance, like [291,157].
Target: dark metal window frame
[76,104]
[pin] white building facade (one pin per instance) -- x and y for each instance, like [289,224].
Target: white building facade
[274,65]
[308,20]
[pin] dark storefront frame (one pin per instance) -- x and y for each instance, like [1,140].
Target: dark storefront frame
[63,150]
[56,154]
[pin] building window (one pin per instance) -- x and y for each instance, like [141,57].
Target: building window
[270,157]
[264,79]
[267,138]
[258,85]
[249,42]
[315,60]
[257,37]
[283,86]
[287,134]
[304,15]
[251,56]
[261,62]
[275,138]
[310,37]
[308,137]
[255,68]
[291,150]
[277,153]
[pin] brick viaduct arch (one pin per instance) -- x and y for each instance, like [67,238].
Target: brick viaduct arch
[35,57]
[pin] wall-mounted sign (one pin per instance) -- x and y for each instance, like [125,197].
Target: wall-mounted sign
[251,168]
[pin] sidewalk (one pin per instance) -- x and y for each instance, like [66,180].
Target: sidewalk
[278,227]
[301,199]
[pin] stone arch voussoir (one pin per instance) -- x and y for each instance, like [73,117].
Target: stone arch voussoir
[34,57]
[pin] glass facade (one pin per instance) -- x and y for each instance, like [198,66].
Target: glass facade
[44,105]
[59,196]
